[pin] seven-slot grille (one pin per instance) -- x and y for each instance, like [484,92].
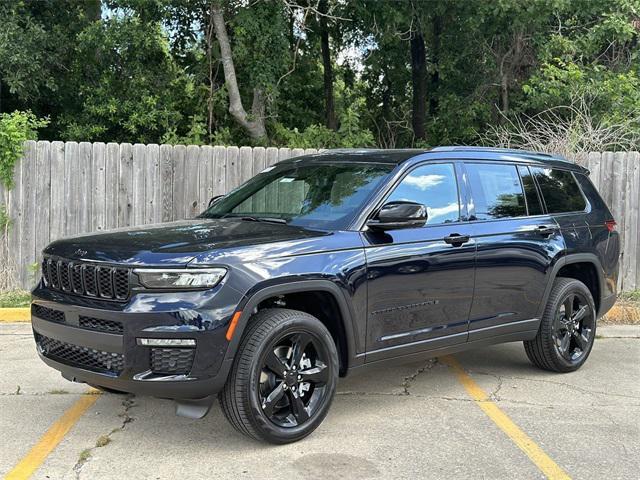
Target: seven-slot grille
[111,283]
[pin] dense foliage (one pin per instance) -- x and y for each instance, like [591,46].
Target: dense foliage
[317,73]
[15,129]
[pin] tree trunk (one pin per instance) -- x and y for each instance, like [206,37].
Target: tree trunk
[504,94]
[434,78]
[329,102]
[210,119]
[419,82]
[254,126]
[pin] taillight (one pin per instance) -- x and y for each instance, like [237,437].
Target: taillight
[611,225]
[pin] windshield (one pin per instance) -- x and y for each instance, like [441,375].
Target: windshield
[324,196]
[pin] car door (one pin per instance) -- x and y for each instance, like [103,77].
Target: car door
[516,246]
[420,280]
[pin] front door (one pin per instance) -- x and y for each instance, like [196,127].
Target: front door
[420,280]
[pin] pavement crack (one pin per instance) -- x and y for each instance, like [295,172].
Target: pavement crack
[104,440]
[553,382]
[408,381]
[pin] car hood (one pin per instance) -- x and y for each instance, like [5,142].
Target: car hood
[175,243]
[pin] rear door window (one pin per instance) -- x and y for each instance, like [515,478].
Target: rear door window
[496,190]
[559,189]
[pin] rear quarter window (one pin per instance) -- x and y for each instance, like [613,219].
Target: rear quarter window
[560,190]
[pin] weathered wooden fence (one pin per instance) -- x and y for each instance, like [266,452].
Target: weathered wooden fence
[64,189]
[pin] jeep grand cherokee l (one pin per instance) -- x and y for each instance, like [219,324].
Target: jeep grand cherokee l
[326,264]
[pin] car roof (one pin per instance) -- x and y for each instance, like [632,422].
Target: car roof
[399,156]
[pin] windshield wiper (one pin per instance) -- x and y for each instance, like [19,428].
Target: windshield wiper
[263,219]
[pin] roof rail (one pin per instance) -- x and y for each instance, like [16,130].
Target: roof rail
[495,149]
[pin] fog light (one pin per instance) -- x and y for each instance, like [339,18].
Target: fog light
[167,342]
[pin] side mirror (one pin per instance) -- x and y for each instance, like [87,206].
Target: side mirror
[400,214]
[214,200]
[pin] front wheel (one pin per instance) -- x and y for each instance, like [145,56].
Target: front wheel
[567,329]
[283,378]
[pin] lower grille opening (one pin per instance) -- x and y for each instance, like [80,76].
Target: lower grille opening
[100,324]
[172,361]
[75,355]
[46,313]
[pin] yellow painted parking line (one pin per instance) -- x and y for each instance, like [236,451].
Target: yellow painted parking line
[15,314]
[540,459]
[50,440]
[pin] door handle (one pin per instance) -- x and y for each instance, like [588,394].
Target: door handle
[545,230]
[456,239]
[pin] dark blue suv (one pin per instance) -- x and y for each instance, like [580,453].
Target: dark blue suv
[325,264]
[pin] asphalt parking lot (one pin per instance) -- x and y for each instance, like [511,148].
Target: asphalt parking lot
[412,421]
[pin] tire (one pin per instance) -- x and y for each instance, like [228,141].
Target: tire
[567,329]
[286,406]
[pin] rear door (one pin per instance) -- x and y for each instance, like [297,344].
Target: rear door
[420,280]
[516,244]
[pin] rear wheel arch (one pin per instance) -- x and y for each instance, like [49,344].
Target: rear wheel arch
[585,267]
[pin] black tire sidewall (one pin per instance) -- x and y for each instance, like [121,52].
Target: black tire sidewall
[295,323]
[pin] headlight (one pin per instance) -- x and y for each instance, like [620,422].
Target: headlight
[185,278]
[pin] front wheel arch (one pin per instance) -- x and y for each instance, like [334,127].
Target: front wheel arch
[259,295]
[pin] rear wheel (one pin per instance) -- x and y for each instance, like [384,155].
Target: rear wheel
[284,377]
[567,330]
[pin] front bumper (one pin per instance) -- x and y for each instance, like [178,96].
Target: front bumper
[98,343]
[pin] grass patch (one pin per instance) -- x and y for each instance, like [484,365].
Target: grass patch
[57,391]
[15,299]
[84,455]
[633,296]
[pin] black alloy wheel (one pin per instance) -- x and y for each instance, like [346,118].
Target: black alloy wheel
[567,328]
[283,377]
[574,327]
[293,379]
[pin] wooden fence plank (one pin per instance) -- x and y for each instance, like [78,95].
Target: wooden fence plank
[259,159]
[71,188]
[111,185]
[272,156]
[56,197]
[99,197]
[205,173]
[15,211]
[138,195]
[166,183]
[618,198]
[28,217]
[43,188]
[191,182]
[85,187]
[179,154]
[606,178]
[125,185]
[630,234]
[219,171]
[246,164]
[152,192]
[233,168]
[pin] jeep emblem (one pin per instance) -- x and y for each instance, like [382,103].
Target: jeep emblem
[79,252]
